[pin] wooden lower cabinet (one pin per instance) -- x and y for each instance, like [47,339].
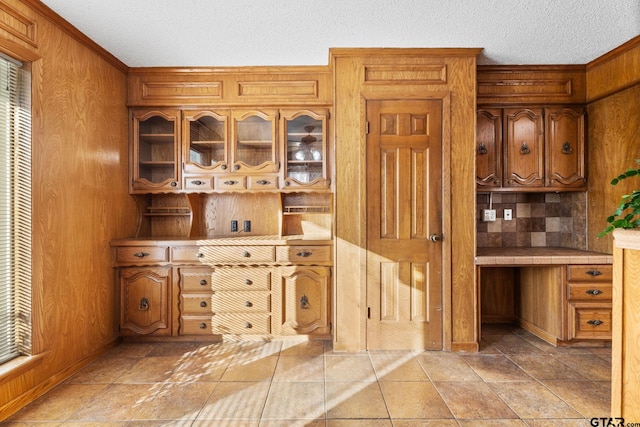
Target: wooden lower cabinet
[145,307]
[194,303]
[305,304]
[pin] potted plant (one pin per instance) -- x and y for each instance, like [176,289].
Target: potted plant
[627,215]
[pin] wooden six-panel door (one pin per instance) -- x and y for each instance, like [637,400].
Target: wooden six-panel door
[404,212]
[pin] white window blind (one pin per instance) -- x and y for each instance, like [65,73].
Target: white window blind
[15,210]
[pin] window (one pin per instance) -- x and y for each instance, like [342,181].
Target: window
[15,210]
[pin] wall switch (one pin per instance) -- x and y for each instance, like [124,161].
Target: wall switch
[488,215]
[247,226]
[508,214]
[234,225]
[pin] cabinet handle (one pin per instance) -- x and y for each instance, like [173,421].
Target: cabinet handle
[199,255]
[223,167]
[203,325]
[248,325]
[287,183]
[141,254]
[304,302]
[246,254]
[230,182]
[263,182]
[595,322]
[594,273]
[566,148]
[482,149]
[248,304]
[203,304]
[236,167]
[524,148]
[594,292]
[197,182]
[174,184]
[248,282]
[144,304]
[304,254]
[203,282]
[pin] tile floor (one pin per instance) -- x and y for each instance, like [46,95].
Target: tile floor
[515,380]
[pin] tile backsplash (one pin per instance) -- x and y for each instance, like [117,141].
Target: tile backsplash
[539,219]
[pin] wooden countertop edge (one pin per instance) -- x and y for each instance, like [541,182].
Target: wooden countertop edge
[542,256]
[627,239]
[232,241]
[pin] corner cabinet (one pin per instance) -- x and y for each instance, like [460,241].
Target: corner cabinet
[530,149]
[155,151]
[145,301]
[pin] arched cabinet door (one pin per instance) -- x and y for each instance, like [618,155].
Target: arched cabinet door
[254,141]
[305,304]
[144,295]
[524,148]
[489,148]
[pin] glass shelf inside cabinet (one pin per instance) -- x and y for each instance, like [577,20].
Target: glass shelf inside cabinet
[156,149]
[305,153]
[207,141]
[255,141]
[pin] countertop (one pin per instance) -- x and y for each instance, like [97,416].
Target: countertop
[226,240]
[538,256]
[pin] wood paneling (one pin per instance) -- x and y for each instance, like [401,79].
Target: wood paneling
[80,203]
[614,71]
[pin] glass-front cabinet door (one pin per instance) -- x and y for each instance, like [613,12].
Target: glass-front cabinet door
[254,141]
[305,150]
[156,150]
[205,141]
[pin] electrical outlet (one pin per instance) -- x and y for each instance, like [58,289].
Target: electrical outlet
[234,225]
[508,214]
[247,226]
[488,215]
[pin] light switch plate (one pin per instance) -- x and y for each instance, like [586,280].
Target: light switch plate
[488,215]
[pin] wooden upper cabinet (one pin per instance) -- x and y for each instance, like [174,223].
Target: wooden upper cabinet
[524,148]
[565,148]
[155,151]
[254,141]
[489,148]
[206,140]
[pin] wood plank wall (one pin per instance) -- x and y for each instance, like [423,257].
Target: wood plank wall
[613,132]
[79,190]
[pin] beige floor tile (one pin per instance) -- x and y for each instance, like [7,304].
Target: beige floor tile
[105,424]
[176,401]
[156,423]
[59,403]
[589,365]
[492,423]
[295,400]
[236,401]
[104,370]
[578,422]
[176,349]
[494,367]
[150,370]
[131,349]
[195,369]
[425,423]
[225,423]
[392,366]
[292,423]
[354,399]
[446,367]
[250,369]
[413,400]
[472,399]
[544,367]
[530,399]
[302,348]
[299,369]
[349,367]
[589,398]
[512,344]
[116,402]
[360,423]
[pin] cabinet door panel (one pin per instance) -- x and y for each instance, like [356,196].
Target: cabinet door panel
[144,301]
[524,149]
[305,307]
[565,148]
[489,148]
[254,141]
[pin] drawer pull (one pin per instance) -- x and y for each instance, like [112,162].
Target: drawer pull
[594,273]
[199,255]
[141,254]
[223,167]
[174,184]
[595,322]
[203,325]
[248,325]
[203,304]
[263,182]
[594,292]
[248,282]
[248,304]
[304,302]
[230,182]
[304,254]
[246,254]
[203,282]
[144,304]
[198,182]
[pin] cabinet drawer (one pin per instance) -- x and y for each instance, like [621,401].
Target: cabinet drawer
[590,321]
[195,325]
[241,324]
[241,302]
[590,273]
[230,182]
[198,183]
[141,254]
[242,279]
[589,291]
[262,183]
[196,304]
[195,279]
[303,254]
[238,254]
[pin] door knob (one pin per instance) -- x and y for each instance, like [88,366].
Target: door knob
[436,237]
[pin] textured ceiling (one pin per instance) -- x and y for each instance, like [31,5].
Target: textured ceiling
[144,33]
